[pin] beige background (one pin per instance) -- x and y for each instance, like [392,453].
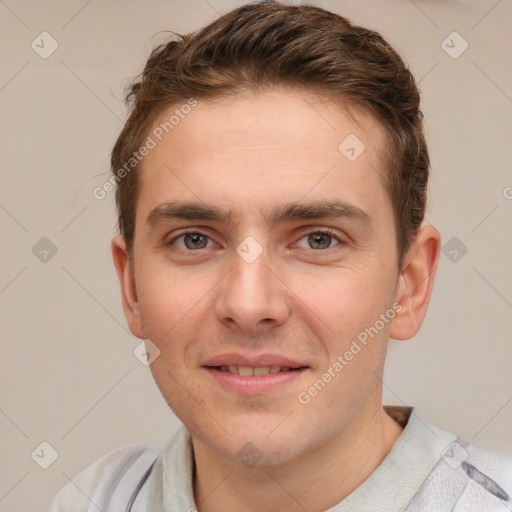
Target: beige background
[69,376]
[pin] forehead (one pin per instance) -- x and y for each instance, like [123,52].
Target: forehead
[273,145]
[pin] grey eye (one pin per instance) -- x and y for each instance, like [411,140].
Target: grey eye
[318,240]
[193,241]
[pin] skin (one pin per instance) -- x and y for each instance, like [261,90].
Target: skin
[250,153]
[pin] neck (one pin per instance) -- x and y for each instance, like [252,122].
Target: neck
[336,469]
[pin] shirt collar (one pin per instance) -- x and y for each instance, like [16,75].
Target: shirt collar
[390,487]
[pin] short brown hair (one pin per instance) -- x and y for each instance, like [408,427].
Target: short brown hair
[270,44]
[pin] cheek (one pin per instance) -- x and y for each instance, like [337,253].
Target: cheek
[166,300]
[346,309]
[344,302]
[174,308]
[159,309]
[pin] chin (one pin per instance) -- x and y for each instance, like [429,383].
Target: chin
[252,443]
[256,452]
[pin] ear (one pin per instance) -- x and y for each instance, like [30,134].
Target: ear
[415,284]
[126,276]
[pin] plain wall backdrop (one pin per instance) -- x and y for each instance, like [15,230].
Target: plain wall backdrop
[69,375]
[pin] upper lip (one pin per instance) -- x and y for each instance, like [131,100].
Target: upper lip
[252,361]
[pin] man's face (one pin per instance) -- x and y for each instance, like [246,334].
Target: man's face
[265,289]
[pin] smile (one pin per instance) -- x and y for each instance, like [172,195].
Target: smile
[249,380]
[248,371]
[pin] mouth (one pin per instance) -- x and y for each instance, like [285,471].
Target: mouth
[259,376]
[249,371]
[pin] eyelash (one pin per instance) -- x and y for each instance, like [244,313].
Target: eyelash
[325,231]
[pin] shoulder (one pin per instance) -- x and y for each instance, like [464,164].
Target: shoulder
[78,493]
[467,477]
[489,479]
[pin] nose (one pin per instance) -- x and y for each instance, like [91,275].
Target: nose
[252,296]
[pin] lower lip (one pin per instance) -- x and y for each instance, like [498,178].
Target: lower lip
[255,385]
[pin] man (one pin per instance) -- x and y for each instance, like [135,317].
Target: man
[271,188]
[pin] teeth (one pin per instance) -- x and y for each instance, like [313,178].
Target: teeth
[262,371]
[247,371]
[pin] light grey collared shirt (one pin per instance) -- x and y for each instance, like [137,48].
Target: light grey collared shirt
[428,469]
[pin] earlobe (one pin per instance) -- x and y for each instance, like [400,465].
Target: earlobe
[415,284]
[126,276]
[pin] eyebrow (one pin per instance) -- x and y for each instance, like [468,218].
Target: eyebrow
[322,209]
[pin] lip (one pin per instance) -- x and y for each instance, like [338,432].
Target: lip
[255,385]
[253,361]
